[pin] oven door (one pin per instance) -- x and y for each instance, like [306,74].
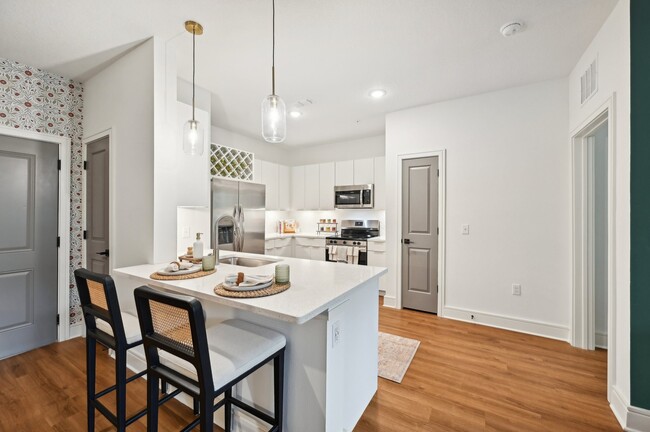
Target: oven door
[348,198]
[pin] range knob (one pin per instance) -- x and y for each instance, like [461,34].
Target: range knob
[344,242]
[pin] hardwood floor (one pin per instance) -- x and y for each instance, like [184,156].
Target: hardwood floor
[464,377]
[467,377]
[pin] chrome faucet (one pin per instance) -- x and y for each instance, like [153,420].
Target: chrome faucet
[215,237]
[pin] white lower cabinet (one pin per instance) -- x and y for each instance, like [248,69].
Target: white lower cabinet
[303,252]
[377,258]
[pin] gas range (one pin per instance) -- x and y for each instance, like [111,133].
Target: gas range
[354,233]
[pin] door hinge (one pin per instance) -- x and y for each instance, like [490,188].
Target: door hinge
[85,234]
[438,230]
[58,242]
[438,172]
[58,319]
[58,164]
[436,288]
[85,165]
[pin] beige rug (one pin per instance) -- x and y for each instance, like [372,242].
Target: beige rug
[395,356]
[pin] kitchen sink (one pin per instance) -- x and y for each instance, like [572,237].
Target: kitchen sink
[247,262]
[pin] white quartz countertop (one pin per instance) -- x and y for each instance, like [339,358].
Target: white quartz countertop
[324,235]
[316,286]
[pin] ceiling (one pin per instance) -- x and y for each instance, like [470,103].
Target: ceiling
[330,51]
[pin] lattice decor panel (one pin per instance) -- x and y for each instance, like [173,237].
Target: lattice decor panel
[231,163]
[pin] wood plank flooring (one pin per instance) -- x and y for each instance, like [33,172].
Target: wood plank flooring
[464,377]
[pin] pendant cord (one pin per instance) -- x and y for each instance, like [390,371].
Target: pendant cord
[193,70]
[273,57]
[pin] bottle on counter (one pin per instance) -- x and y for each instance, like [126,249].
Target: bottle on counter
[197,251]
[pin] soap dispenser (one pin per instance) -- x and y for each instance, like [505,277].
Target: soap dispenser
[198,247]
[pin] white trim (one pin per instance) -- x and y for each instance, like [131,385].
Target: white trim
[390,301]
[601,340]
[579,320]
[618,405]
[77,330]
[442,225]
[537,328]
[631,418]
[110,133]
[64,221]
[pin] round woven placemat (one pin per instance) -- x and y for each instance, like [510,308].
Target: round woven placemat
[198,274]
[273,289]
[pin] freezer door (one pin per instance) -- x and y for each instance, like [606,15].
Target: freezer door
[224,201]
[252,198]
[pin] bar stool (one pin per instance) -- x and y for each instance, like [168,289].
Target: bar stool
[117,330]
[205,363]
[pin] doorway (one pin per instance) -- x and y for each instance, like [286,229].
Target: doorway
[593,234]
[29,244]
[97,232]
[419,233]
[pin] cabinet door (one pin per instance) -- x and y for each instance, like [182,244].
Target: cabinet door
[327,180]
[298,188]
[317,253]
[257,171]
[380,183]
[364,171]
[284,187]
[312,189]
[378,259]
[344,173]
[302,252]
[270,179]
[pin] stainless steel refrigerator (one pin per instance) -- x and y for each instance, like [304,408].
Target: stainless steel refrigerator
[237,215]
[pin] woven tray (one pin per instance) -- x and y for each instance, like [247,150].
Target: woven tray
[198,274]
[272,290]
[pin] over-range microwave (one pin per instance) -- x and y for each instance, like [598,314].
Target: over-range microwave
[354,197]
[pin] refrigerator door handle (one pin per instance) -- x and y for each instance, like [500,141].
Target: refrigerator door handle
[242,231]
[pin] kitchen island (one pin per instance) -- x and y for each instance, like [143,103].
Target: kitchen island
[330,319]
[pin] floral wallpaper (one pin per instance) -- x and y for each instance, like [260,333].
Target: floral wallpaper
[35,100]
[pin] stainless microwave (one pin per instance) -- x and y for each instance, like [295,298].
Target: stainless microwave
[354,197]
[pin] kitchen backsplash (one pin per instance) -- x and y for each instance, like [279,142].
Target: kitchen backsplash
[308,220]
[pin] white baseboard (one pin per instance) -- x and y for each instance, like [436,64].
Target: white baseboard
[536,328]
[619,405]
[631,418]
[77,330]
[601,340]
[390,301]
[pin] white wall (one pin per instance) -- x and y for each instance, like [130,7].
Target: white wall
[121,97]
[266,151]
[508,177]
[612,46]
[193,220]
[338,151]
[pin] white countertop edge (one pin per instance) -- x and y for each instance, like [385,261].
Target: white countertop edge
[226,301]
[274,236]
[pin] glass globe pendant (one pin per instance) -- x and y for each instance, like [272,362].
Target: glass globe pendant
[193,138]
[274,111]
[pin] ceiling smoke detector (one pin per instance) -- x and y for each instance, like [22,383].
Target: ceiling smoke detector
[512,28]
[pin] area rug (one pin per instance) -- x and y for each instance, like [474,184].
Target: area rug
[395,355]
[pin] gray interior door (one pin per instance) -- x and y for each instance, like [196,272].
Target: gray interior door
[97,246]
[420,234]
[28,244]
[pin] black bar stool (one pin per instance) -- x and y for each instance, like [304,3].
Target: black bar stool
[205,363]
[117,330]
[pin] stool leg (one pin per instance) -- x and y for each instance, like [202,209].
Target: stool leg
[207,413]
[228,410]
[120,391]
[91,352]
[278,384]
[195,406]
[152,402]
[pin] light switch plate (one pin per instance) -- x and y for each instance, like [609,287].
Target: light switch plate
[465,230]
[186,232]
[516,289]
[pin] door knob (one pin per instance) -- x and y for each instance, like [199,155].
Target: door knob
[105,253]
[406,241]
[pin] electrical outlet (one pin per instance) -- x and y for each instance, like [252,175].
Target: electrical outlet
[516,289]
[337,333]
[465,230]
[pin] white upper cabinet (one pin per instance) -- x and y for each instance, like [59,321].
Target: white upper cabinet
[192,172]
[364,171]
[284,187]
[312,188]
[344,173]
[298,188]
[257,171]
[380,183]
[270,178]
[327,181]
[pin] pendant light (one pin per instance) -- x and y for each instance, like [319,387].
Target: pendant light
[193,130]
[274,112]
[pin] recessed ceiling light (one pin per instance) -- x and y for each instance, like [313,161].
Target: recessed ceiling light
[377,93]
[295,113]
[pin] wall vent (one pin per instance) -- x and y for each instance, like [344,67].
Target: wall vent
[589,82]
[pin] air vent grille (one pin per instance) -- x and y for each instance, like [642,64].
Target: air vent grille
[589,82]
